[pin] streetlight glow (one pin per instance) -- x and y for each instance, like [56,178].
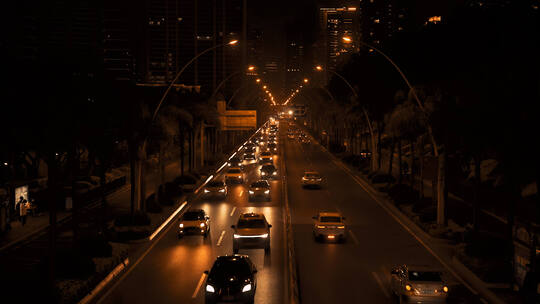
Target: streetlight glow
[251,68]
[347,39]
[318,68]
[264,87]
[233,42]
[258,80]
[306,80]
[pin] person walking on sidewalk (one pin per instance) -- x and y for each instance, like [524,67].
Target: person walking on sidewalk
[22,210]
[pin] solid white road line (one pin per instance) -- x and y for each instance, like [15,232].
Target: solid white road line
[241,192]
[201,280]
[221,238]
[355,239]
[232,211]
[379,282]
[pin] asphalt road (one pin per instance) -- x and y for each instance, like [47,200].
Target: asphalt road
[172,272]
[357,271]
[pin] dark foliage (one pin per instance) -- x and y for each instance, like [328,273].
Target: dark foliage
[139,219]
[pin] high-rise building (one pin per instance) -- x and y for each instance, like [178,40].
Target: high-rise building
[334,24]
[294,66]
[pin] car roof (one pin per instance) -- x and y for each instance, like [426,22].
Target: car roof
[329,214]
[195,210]
[251,216]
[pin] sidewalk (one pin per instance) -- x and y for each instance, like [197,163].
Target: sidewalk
[117,200]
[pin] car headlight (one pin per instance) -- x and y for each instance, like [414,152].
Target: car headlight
[236,236]
[221,190]
[303,178]
[408,287]
[321,226]
[267,191]
[181,225]
[206,191]
[246,288]
[264,236]
[251,192]
[202,224]
[210,288]
[275,173]
[445,288]
[262,173]
[270,158]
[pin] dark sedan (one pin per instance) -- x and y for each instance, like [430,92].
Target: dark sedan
[231,279]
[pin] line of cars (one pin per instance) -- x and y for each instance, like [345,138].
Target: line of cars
[232,278]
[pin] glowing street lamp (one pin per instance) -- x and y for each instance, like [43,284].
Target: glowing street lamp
[258,80]
[251,68]
[233,42]
[318,68]
[264,87]
[347,39]
[306,80]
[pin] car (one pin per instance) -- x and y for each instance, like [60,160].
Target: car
[216,188]
[418,284]
[265,156]
[251,231]
[272,139]
[232,278]
[311,179]
[235,162]
[234,174]
[249,158]
[329,226]
[250,149]
[194,221]
[259,189]
[272,147]
[268,171]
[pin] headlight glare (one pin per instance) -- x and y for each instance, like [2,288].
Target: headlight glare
[202,224]
[246,288]
[251,192]
[181,225]
[321,226]
[267,191]
[210,288]
[236,236]
[206,190]
[341,227]
[445,288]
[408,287]
[222,190]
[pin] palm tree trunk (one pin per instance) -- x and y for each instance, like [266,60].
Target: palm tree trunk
[391,156]
[411,165]
[400,169]
[477,182]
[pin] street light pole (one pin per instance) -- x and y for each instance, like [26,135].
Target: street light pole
[183,69]
[223,82]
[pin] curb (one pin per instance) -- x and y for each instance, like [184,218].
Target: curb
[459,270]
[116,271]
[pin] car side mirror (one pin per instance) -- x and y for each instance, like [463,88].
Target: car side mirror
[269,226]
[233,226]
[314,217]
[206,272]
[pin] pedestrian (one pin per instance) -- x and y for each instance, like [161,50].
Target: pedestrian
[22,210]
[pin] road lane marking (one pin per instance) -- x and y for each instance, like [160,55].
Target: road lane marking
[221,238]
[379,282]
[241,192]
[355,239]
[233,210]
[201,280]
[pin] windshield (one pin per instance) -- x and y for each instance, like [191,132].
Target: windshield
[432,276]
[268,168]
[193,216]
[312,175]
[226,268]
[330,219]
[234,171]
[215,184]
[259,185]
[251,224]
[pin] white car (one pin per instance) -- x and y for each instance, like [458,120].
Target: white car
[311,179]
[418,284]
[329,226]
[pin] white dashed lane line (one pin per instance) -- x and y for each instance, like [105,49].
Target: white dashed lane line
[232,211]
[221,238]
[201,280]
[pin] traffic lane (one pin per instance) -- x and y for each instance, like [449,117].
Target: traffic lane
[173,270]
[378,239]
[328,272]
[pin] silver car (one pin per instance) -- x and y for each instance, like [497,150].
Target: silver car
[311,179]
[418,284]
